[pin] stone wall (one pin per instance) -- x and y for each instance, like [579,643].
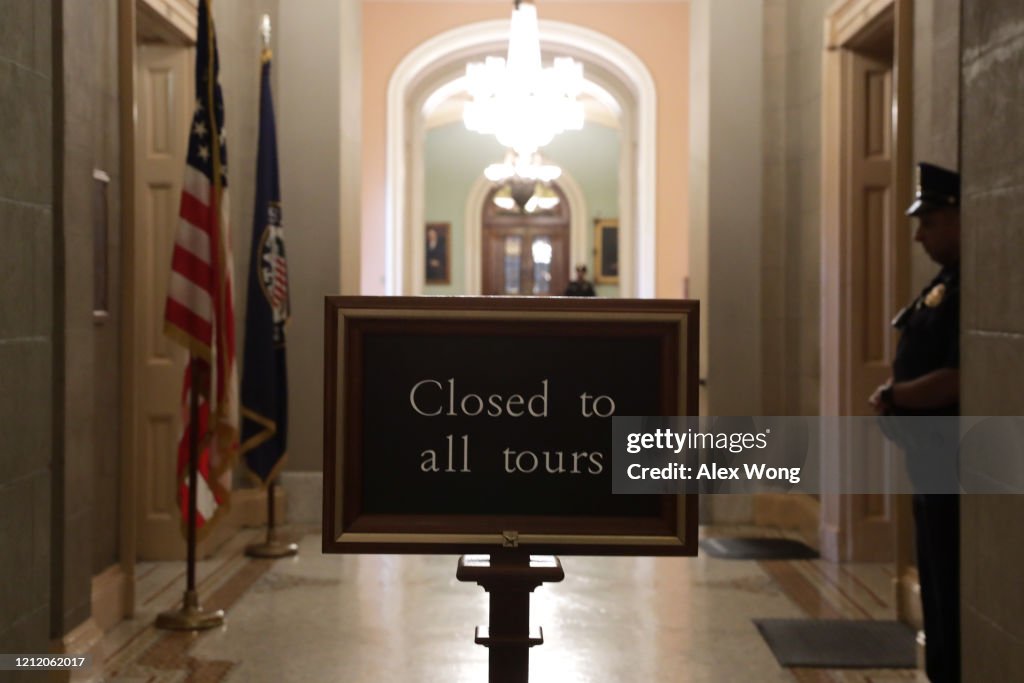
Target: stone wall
[936,100]
[26,323]
[87,437]
[992,324]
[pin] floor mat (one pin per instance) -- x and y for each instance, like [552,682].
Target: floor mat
[757,549]
[840,643]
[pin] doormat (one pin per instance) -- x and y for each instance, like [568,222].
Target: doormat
[757,549]
[840,643]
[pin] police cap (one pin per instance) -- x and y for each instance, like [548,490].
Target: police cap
[936,187]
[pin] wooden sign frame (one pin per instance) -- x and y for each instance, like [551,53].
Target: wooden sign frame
[347,528]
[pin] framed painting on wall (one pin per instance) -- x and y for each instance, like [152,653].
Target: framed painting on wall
[437,253]
[606,251]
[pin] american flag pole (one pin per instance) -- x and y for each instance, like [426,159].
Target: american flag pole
[191,616]
[193,472]
[199,314]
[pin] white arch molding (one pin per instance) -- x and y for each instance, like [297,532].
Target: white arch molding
[474,228]
[637,220]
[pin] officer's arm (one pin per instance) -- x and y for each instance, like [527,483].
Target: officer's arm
[937,389]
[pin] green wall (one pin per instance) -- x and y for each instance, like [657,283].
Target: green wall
[454,158]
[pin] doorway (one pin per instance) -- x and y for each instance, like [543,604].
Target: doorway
[525,253]
[866,242]
[628,101]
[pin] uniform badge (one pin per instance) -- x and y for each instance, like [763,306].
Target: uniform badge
[935,295]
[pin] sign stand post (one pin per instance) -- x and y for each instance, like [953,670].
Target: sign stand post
[509,576]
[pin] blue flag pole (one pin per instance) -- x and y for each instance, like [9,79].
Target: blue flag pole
[264,374]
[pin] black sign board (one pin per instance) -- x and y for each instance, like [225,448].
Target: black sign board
[457,424]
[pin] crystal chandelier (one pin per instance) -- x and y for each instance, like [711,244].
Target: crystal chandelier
[521,103]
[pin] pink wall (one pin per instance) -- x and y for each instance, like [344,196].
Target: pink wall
[657,32]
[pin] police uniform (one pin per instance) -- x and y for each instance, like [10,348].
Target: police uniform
[930,333]
[580,286]
[929,340]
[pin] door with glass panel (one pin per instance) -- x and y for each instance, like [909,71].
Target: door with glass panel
[526,261]
[525,253]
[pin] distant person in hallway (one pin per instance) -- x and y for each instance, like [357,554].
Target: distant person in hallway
[926,381]
[581,286]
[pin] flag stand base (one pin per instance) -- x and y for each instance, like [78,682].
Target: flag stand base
[271,549]
[191,617]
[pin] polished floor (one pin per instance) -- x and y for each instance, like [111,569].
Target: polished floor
[363,619]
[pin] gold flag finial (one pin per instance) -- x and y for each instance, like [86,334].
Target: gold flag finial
[265,34]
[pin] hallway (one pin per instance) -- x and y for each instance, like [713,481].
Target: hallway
[746,165]
[377,618]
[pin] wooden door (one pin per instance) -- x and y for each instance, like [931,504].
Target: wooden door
[870,531]
[526,261]
[871,229]
[163,105]
[525,254]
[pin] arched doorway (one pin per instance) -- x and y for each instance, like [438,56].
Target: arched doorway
[434,68]
[525,253]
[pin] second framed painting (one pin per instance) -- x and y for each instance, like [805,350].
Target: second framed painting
[606,251]
[437,252]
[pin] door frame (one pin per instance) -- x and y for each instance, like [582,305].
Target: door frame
[126,39]
[176,21]
[843,25]
[473,228]
[846,531]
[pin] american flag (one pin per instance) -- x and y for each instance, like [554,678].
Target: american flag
[199,312]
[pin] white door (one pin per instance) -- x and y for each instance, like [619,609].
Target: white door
[163,110]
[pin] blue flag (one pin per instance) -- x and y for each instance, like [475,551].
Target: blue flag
[264,375]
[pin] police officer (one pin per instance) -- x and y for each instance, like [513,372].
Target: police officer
[926,381]
[581,285]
